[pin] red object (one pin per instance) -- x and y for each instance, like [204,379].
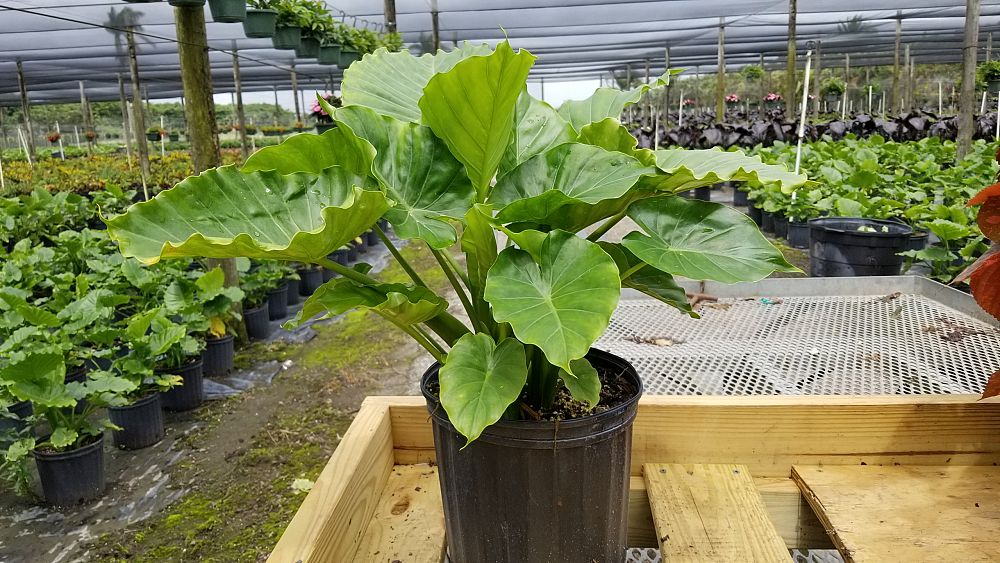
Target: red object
[984,275]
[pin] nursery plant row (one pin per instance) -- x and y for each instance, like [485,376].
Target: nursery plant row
[83,330]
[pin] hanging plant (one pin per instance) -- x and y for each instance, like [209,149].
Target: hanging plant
[53,137]
[752,72]
[391,41]
[833,88]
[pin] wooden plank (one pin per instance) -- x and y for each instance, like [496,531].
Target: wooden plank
[770,434]
[875,514]
[332,519]
[711,513]
[408,525]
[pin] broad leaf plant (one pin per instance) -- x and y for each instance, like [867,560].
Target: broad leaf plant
[452,150]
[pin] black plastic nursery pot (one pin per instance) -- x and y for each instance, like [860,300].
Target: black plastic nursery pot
[258,322]
[186,3]
[918,240]
[328,55]
[286,37]
[767,222]
[308,48]
[141,423]
[219,355]
[703,193]
[293,291]
[798,235]
[780,226]
[340,256]
[228,11]
[73,476]
[188,395]
[755,213]
[348,56]
[328,275]
[260,23]
[846,246]
[352,252]
[277,302]
[371,238]
[309,280]
[537,492]
[740,198]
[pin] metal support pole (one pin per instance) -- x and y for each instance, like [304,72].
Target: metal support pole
[816,78]
[29,146]
[389,7]
[968,98]
[295,94]
[138,117]
[790,82]
[240,115]
[720,75]
[435,31]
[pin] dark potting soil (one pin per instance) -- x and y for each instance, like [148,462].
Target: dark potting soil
[88,440]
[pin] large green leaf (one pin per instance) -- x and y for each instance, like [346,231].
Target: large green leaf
[29,313]
[479,243]
[537,128]
[38,378]
[392,83]
[313,153]
[561,304]
[585,385]
[569,174]
[224,213]
[688,169]
[424,181]
[701,240]
[471,107]
[610,134]
[606,102]
[479,380]
[649,280]
[400,304]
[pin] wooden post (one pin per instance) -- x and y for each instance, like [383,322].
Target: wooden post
[435,31]
[912,87]
[649,107]
[26,112]
[905,102]
[790,72]
[720,75]
[199,111]
[295,94]
[240,115]
[895,60]
[138,117]
[666,91]
[390,15]
[126,126]
[628,84]
[989,46]
[816,81]
[968,99]
[88,124]
[763,87]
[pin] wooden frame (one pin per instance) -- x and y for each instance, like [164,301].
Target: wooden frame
[766,434]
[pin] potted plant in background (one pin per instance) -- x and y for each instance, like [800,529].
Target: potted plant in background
[391,41]
[257,281]
[426,158]
[324,122]
[988,72]
[174,136]
[262,18]
[228,11]
[287,32]
[154,134]
[316,23]
[182,358]
[772,100]
[90,135]
[204,305]
[272,130]
[752,73]
[53,137]
[732,100]
[251,129]
[832,90]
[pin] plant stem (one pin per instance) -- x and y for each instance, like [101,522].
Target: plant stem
[633,270]
[458,269]
[611,222]
[469,309]
[430,339]
[431,347]
[348,273]
[399,257]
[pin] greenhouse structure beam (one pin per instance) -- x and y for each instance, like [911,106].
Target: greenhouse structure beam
[967,102]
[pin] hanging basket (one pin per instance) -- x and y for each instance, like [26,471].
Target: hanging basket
[993,86]
[228,11]
[153,137]
[186,3]
[348,56]
[260,23]
[287,37]
[328,55]
[308,48]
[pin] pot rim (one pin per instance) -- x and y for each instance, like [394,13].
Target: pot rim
[896,229]
[261,11]
[219,340]
[143,402]
[71,454]
[186,367]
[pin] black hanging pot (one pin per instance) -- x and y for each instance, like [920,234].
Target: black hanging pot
[257,321]
[174,137]
[228,11]
[537,492]
[308,48]
[73,476]
[141,423]
[328,55]
[260,24]
[853,246]
[993,86]
[347,56]
[286,37]
[186,3]
[219,355]
[277,302]
[189,394]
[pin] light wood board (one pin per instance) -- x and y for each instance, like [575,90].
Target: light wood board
[408,525]
[876,514]
[711,513]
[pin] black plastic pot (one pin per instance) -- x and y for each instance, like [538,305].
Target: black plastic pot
[141,423]
[309,280]
[328,275]
[347,56]
[286,37]
[308,48]
[186,3]
[258,322]
[188,395]
[371,239]
[228,11]
[340,256]
[740,198]
[328,55]
[352,252]
[218,356]
[780,225]
[703,193]
[918,240]
[74,476]
[293,291]
[798,235]
[755,214]
[535,492]
[767,222]
[21,411]
[260,23]
[837,248]
[277,302]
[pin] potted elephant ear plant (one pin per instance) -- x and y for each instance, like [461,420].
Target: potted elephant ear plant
[453,152]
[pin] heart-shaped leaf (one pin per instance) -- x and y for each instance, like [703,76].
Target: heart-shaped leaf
[313,153]
[400,304]
[392,83]
[471,107]
[424,181]
[561,304]
[606,102]
[701,240]
[537,128]
[38,378]
[29,313]
[479,380]
[223,213]
[584,384]
[647,279]
[688,169]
